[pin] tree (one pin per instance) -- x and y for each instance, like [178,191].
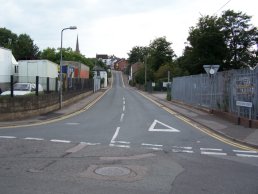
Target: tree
[137,54]
[25,49]
[160,53]
[7,38]
[207,45]
[240,37]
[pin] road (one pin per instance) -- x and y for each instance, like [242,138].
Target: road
[125,143]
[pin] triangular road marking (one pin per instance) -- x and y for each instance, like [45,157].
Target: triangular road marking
[165,129]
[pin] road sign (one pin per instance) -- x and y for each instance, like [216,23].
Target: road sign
[163,128]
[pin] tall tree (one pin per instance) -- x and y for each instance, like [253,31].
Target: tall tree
[138,53]
[160,53]
[7,38]
[240,37]
[207,45]
[25,49]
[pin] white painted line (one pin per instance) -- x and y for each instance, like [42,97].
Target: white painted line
[180,147]
[122,117]
[152,148]
[115,135]
[7,137]
[122,142]
[123,98]
[123,108]
[210,149]
[60,141]
[77,148]
[33,138]
[166,129]
[120,146]
[182,151]
[214,153]
[123,102]
[154,145]
[246,151]
[88,143]
[247,155]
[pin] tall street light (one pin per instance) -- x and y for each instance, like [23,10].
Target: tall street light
[61,66]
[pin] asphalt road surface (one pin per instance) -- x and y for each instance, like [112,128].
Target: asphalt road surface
[125,143]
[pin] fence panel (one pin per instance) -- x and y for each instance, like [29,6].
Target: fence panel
[220,91]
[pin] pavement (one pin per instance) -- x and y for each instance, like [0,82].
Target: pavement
[237,133]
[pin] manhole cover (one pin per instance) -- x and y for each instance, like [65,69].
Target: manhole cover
[112,171]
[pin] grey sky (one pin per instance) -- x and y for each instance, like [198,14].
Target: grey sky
[111,26]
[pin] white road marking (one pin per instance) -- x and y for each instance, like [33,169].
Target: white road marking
[7,137]
[182,151]
[123,108]
[246,151]
[210,149]
[88,143]
[122,142]
[123,102]
[60,141]
[120,146]
[34,138]
[214,153]
[180,147]
[154,145]
[154,148]
[115,135]
[167,129]
[122,117]
[247,155]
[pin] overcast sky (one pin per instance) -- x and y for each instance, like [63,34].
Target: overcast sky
[112,26]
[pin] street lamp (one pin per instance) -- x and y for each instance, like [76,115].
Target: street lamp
[61,63]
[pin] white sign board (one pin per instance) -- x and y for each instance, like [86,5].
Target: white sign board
[244,104]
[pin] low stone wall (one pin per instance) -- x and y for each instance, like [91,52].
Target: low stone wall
[21,107]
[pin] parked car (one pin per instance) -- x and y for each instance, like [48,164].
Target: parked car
[20,89]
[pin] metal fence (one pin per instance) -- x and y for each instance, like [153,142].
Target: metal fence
[220,91]
[50,85]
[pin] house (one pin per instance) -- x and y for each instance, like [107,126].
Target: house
[9,66]
[121,65]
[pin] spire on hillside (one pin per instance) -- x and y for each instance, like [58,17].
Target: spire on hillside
[77,45]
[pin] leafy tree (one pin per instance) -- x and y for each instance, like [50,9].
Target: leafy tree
[207,45]
[160,53]
[240,37]
[25,49]
[7,38]
[50,54]
[137,54]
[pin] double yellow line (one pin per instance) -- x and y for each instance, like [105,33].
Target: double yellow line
[202,128]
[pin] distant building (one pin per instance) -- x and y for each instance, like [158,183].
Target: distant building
[100,72]
[121,65]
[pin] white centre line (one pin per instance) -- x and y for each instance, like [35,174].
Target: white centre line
[34,138]
[123,108]
[7,137]
[122,117]
[182,151]
[120,146]
[123,142]
[115,135]
[60,141]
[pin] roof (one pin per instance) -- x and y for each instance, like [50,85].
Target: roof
[101,56]
[98,68]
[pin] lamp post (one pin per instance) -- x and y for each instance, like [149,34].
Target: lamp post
[61,69]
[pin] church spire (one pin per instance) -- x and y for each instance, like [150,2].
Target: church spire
[77,45]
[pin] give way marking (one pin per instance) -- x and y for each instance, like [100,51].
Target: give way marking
[165,128]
